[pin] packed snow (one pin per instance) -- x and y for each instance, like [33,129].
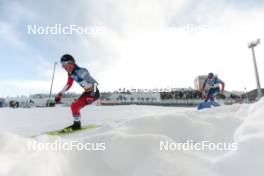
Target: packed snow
[132,137]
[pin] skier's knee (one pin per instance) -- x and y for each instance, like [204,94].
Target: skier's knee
[74,106]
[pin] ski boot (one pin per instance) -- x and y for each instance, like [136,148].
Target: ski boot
[75,126]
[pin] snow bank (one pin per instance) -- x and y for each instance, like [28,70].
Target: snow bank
[33,121]
[132,145]
[248,159]
[15,158]
[125,155]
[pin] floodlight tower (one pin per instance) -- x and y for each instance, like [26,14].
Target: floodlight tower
[251,46]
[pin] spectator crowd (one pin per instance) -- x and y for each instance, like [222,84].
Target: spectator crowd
[182,94]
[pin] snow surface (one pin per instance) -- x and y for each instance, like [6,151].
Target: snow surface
[132,135]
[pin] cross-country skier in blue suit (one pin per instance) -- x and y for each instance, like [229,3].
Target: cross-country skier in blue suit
[212,82]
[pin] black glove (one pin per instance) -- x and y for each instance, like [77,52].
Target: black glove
[58,98]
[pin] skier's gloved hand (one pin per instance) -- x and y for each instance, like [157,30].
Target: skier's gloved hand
[88,90]
[58,98]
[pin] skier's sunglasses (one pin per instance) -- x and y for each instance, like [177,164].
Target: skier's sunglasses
[66,62]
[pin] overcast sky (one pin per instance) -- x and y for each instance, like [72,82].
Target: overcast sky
[136,43]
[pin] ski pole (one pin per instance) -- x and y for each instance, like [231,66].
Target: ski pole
[48,104]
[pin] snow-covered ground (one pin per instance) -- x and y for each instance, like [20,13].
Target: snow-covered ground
[132,136]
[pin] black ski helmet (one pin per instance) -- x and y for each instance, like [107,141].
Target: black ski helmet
[67,58]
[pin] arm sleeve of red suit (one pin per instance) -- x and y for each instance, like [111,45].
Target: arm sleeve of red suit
[68,85]
[222,83]
[223,87]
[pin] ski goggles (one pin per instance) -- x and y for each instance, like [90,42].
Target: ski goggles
[66,62]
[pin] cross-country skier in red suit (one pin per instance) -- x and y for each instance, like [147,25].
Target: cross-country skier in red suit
[85,80]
